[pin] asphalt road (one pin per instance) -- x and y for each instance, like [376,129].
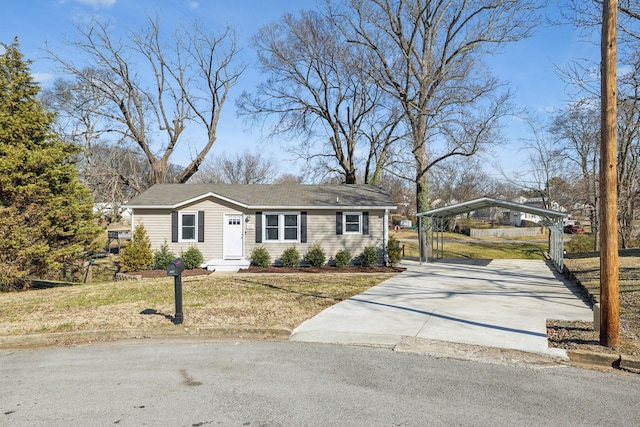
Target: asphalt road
[298,384]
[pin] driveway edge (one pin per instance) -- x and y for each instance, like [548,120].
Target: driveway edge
[477,353]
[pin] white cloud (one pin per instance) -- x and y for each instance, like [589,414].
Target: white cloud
[41,77]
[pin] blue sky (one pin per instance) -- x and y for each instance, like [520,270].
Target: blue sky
[528,66]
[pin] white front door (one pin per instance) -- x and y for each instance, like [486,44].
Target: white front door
[232,235]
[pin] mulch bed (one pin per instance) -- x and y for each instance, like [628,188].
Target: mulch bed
[150,274]
[327,269]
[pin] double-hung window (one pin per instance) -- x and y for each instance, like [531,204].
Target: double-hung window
[352,223]
[188,226]
[271,227]
[281,227]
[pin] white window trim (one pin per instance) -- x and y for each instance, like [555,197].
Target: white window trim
[344,222]
[281,227]
[195,231]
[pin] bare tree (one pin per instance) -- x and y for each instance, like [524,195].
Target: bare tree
[628,147]
[189,78]
[289,179]
[428,56]
[113,171]
[587,16]
[401,193]
[456,180]
[245,168]
[545,166]
[577,128]
[316,89]
[584,75]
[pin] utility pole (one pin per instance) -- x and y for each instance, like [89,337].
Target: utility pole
[609,313]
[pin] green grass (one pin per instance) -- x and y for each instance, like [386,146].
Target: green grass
[461,246]
[495,250]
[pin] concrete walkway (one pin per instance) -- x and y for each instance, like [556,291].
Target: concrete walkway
[493,303]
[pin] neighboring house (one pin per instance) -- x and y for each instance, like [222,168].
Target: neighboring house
[493,213]
[516,218]
[225,222]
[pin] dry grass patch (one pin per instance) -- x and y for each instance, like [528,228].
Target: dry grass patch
[267,301]
[586,269]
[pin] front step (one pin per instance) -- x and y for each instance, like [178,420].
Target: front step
[227,264]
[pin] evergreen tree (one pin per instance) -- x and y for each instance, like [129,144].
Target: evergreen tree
[46,214]
[138,255]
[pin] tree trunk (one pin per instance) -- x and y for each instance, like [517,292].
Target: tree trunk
[159,171]
[350,177]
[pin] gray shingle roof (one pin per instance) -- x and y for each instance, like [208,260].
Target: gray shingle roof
[270,196]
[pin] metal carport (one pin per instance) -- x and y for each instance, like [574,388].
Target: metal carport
[551,219]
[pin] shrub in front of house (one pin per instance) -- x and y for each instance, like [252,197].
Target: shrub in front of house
[290,257]
[343,258]
[192,258]
[260,257]
[315,256]
[162,257]
[394,253]
[369,257]
[138,255]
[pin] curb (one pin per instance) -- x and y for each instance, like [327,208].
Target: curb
[477,353]
[579,358]
[88,337]
[602,360]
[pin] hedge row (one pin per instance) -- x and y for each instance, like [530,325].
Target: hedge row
[316,256]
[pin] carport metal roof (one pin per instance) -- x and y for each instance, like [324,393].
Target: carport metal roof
[552,219]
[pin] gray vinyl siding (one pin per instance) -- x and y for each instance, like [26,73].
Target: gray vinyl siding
[157,223]
[321,229]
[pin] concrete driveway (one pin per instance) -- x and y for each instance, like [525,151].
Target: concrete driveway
[493,303]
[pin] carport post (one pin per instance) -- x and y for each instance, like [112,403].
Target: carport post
[385,237]
[556,243]
[419,239]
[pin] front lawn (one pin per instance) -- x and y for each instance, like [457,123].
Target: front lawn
[232,301]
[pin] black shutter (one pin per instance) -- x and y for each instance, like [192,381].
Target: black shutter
[303,227]
[200,226]
[258,227]
[338,222]
[174,226]
[365,223]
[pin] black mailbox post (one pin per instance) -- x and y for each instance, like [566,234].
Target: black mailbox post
[175,269]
